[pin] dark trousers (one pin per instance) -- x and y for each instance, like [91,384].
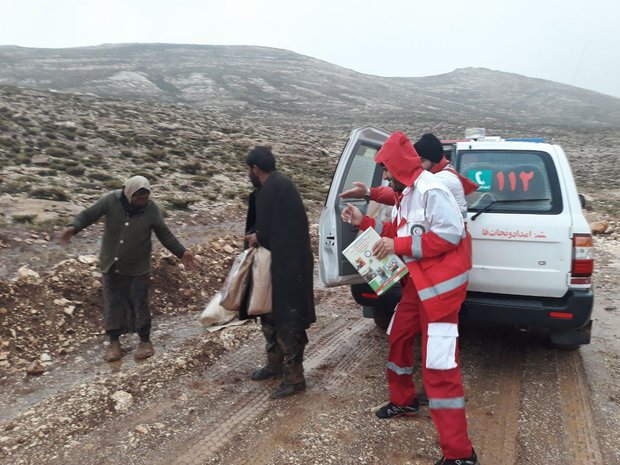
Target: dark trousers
[285,350]
[125,305]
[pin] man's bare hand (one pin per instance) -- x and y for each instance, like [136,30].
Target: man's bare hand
[66,235]
[358,192]
[352,214]
[252,240]
[188,260]
[383,247]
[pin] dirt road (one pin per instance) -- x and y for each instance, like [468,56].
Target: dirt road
[194,404]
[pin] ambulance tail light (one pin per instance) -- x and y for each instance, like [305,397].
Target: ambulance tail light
[583,259]
[369,295]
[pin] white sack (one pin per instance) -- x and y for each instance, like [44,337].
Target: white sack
[215,314]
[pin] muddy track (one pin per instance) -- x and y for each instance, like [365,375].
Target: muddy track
[577,409]
[86,366]
[337,342]
[498,411]
[532,404]
[526,402]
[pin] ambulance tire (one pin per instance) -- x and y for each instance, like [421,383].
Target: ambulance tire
[382,321]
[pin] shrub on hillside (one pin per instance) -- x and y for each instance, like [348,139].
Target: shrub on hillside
[182,203]
[191,168]
[49,193]
[58,152]
[75,170]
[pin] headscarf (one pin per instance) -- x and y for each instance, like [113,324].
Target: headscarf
[400,158]
[134,184]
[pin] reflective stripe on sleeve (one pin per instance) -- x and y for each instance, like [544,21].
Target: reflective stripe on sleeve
[451,238]
[378,227]
[443,287]
[416,247]
[450,402]
[399,370]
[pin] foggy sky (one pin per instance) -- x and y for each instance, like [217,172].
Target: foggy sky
[574,42]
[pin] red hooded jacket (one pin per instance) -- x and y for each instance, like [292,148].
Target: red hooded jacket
[438,262]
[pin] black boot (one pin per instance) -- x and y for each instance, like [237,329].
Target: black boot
[292,369]
[285,390]
[273,369]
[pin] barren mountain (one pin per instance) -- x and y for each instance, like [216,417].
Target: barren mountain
[279,85]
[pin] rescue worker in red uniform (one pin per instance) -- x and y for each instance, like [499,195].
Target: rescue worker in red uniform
[427,231]
[430,150]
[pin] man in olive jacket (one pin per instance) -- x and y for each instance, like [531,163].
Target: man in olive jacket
[125,260]
[277,221]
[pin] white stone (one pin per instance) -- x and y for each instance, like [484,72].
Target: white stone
[88,259]
[123,401]
[26,274]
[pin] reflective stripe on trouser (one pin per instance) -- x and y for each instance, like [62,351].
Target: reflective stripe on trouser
[285,350]
[443,387]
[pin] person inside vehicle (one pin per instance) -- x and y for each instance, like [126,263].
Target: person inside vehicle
[427,231]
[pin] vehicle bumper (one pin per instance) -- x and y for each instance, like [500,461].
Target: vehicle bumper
[570,312]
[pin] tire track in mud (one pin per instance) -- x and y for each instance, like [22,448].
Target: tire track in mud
[337,342]
[498,418]
[577,410]
[556,419]
[355,354]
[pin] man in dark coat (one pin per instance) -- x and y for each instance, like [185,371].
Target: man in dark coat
[277,221]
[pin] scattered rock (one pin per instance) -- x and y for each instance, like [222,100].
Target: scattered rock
[599,227]
[88,259]
[35,369]
[123,401]
[143,429]
[26,274]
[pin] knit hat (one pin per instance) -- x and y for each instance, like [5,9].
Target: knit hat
[429,147]
[400,158]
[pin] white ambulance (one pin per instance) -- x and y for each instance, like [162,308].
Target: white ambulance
[532,246]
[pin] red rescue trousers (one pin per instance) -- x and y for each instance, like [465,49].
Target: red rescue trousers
[443,387]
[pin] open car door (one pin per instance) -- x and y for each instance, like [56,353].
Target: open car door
[356,164]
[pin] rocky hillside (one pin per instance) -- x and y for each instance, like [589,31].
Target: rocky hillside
[284,87]
[66,147]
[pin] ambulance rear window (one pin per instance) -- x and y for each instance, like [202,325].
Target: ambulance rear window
[528,179]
